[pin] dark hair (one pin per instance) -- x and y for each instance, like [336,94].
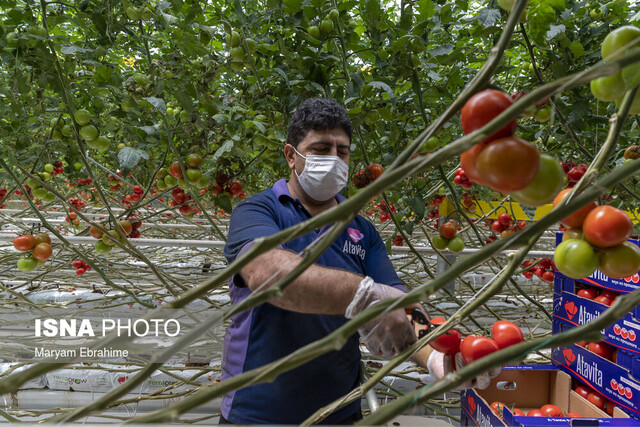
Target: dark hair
[317,114]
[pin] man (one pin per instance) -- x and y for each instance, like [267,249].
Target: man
[350,276]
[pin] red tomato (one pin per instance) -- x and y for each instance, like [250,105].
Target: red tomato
[42,238]
[551,410]
[583,344]
[505,218]
[601,349]
[610,407]
[468,162]
[217,189]
[375,169]
[42,252]
[235,188]
[588,293]
[508,164]
[24,243]
[606,226]
[535,413]
[573,415]
[483,107]
[474,348]
[506,333]
[582,391]
[185,210]
[497,407]
[448,230]
[175,171]
[603,300]
[596,399]
[577,218]
[548,276]
[497,226]
[180,198]
[609,294]
[518,412]
[447,343]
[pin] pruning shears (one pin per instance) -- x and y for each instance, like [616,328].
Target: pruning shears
[420,318]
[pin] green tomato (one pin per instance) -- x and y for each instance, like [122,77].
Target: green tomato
[635,105]
[194,160]
[193,175]
[102,248]
[543,114]
[547,183]
[204,181]
[184,116]
[507,4]
[252,45]
[161,185]
[82,117]
[49,167]
[27,264]
[182,183]
[49,197]
[234,39]
[456,244]
[237,54]
[170,181]
[45,175]
[101,143]
[77,166]
[620,261]
[439,242]
[608,88]
[334,15]
[575,258]
[88,132]
[326,26]
[619,41]
[33,183]
[39,193]
[67,130]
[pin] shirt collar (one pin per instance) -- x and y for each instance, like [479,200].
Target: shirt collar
[280,189]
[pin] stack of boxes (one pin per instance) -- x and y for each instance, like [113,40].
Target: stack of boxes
[618,381]
[527,386]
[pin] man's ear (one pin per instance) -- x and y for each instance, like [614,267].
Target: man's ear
[290,155]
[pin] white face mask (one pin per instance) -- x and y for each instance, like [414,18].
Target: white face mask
[322,176]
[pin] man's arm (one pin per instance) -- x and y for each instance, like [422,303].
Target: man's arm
[318,290]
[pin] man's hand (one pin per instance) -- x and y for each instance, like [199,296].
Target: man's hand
[440,364]
[388,334]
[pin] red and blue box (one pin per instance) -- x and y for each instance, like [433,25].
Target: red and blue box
[530,387]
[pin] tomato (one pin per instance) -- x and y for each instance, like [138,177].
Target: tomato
[606,226]
[468,161]
[548,182]
[573,233]
[601,349]
[448,230]
[447,343]
[102,248]
[603,300]
[632,152]
[535,413]
[82,117]
[185,210]
[27,264]
[193,175]
[497,407]
[575,258]
[42,252]
[548,276]
[42,238]
[610,407]
[505,218]
[620,261]
[609,294]
[88,132]
[194,160]
[376,170]
[508,164]
[506,333]
[474,348]
[543,114]
[635,105]
[573,415]
[483,107]
[497,226]
[582,391]
[619,41]
[125,226]
[180,198]
[507,233]
[588,293]
[518,412]
[596,399]
[456,244]
[235,188]
[551,410]
[439,242]
[24,243]
[95,232]
[175,171]
[110,238]
[608,88]
[576,218]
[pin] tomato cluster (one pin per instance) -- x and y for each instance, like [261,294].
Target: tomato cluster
[3,193]
[398,241]
[543,269]
[54,169]
[547,410]
[597,240]
[595,398]
[468,203]
[224,186]
[506,226]
[106,241]
[180,199]
[504,333]
[135,196]
[364,177]
[462,179]
[448,238]
[72,218]
[40,247]
[603,296]
[76,203]
[575,174]
[384,214]
[84,181]
[80,266]
[115,183]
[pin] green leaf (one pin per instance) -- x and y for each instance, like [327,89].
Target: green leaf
[223,202]
[158,103]
[539,19]
[417,206]
[71,49]
[383,86]
[555,30]
[292,7]
[426,9]
[577,49]
[488,17]
[225,148]
[129,158]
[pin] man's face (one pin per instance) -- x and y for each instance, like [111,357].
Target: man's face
[333,142]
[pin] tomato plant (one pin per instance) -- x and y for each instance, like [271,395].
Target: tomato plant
[606,226]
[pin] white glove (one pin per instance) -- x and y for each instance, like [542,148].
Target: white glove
[440,364]
[389,334]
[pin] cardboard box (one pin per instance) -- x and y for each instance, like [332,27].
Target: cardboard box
[528,387]
[611,380]
[626,285]
[573,310]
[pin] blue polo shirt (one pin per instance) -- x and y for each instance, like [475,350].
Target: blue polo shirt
[267,333]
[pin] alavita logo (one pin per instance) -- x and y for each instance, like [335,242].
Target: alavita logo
[472,404]
[569,357]
[355,235]
[635,278]
[571,309]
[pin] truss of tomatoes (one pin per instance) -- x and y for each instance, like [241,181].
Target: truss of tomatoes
[503,162]
[40,249]
[447,237]
[542,267]
[597,239]
[547,410]
[364,177]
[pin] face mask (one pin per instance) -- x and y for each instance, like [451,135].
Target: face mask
[322,176]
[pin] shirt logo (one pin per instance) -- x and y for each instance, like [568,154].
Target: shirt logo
[355,235]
